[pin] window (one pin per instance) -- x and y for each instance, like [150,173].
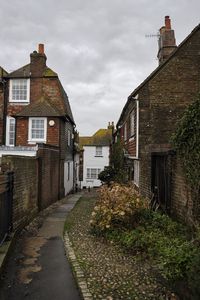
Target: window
[10,132]
[136,172]
[37,129]
[93,173]
[132,123]
[98,151]
[19,90]
[125,131]
[68,171]
[68,137]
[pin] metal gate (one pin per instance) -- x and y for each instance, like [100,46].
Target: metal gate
[6,201]
[160,183]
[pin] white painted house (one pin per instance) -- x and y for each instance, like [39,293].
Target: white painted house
[95,152]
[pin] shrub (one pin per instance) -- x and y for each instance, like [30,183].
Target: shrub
[107,175]
[118,206]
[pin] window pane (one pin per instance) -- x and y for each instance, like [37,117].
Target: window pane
[20,89]
[37,129]
[98,151]
[132,121]
[11,131]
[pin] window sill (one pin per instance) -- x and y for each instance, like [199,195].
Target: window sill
[98,156]
[36,142]
[19,102]
[132,138]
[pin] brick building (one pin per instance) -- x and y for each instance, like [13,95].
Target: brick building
[34,109]
[150,116]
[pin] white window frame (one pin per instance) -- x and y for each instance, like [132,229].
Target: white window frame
[35,140]
[8,120]
[132,123]
[125,131]
[69,137]
[136,172]
[99,151]
[11,91]
[92,173]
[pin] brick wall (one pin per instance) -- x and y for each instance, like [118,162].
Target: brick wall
[25,192]
[48,175]
[182,204]
[162,101]
[53,136]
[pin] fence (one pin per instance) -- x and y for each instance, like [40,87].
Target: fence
[6,199]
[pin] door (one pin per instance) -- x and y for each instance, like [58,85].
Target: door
[161,181]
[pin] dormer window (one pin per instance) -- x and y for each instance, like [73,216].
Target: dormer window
[19,90]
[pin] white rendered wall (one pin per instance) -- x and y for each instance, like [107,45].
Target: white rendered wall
[68,184]
[92,161]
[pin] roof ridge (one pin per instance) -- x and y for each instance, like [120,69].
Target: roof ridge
[166,61]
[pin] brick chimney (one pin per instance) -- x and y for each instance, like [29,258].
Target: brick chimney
[166,42]
[111,125]
[38,62]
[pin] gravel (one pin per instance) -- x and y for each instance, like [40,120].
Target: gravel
[110,273]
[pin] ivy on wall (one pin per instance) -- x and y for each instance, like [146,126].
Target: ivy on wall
[186,141]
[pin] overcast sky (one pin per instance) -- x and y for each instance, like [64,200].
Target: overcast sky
[97,47]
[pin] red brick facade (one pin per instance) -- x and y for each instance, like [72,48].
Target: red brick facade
[47,101]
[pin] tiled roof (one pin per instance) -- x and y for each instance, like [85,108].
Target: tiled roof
[49,105]
[25,72]
[154,73]
[66,103]
[41,108]
[101,138]
[21,72]
[2,72]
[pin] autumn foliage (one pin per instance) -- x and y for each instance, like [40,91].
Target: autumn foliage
[118,205]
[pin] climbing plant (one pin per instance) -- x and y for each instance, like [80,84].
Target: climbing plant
[116,171]
[186,141]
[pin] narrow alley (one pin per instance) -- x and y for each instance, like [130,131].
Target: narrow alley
[38,267]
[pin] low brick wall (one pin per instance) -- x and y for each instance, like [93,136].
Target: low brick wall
[25,191]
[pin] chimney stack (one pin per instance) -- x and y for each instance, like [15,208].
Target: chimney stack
[41,48]
[166,42]
[167,23]
[111,125]
[38,62]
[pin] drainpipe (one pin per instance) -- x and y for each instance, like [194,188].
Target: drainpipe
[5,95]
[137,129]
[73,157]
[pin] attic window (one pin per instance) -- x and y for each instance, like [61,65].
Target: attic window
[19,90]
[98,151]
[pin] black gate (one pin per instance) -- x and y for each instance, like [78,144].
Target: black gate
[6,200]
[160,183]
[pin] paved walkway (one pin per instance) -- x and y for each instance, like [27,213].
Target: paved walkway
[39,268]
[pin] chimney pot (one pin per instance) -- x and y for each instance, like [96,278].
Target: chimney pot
[167,22]
[41,48]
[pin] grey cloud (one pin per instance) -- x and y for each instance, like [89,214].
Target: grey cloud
[98,47]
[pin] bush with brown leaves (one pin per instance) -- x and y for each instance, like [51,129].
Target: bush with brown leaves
[118,205]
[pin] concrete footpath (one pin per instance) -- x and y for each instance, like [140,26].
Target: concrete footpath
[38,267]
